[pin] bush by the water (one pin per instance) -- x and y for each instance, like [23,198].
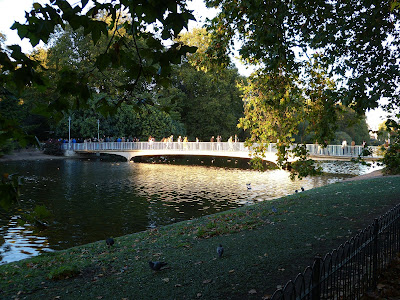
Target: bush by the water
[53,149]
[7,147]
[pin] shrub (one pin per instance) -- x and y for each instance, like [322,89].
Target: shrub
[53,149]
[391,157]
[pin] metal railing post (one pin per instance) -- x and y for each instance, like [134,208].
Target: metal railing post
[316,276]
[375,253]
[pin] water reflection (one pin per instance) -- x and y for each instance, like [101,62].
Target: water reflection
[93,199]
[20,242]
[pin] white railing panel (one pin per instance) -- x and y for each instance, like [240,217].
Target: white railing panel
[313,149]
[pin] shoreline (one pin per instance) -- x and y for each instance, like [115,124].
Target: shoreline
[29,155]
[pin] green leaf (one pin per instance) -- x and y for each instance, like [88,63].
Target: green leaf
[103,61]
[22,29]
[37,6]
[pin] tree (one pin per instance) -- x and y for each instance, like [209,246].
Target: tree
[126,122]
[391,155]
[127,43]
[383,133]
[353,125]
[350,41]
[204,96]
[128,23]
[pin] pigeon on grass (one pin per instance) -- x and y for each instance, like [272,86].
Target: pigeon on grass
[157,265]
[220,251]
[109,242]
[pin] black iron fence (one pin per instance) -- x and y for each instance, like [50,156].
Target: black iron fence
[350,270]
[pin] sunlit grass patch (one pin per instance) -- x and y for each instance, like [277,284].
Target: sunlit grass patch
[228,223]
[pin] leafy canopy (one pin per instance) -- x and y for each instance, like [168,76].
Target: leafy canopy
[309,45]
[136,34]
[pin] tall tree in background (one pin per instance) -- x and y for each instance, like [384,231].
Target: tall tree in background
[119,29]
[205,96]
[207,104]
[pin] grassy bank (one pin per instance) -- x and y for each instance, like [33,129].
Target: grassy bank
[263,249]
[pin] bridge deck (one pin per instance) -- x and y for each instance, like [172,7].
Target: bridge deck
[133,149]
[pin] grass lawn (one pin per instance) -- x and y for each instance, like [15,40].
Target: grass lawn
[263,249]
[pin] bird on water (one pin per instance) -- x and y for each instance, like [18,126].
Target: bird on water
[157,265]
[220,251]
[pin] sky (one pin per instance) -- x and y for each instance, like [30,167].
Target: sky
[14,10]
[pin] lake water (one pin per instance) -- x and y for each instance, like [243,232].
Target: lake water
[92,199]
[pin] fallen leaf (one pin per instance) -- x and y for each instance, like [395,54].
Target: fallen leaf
[231,271]
[207,281]
[252,292]
[165,279]
[178,285]
[281,269]
[198,295]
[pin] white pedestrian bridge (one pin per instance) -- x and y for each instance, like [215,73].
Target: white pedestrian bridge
[226,149]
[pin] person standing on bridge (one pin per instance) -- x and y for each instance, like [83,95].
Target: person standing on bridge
[353,147]
[212,143]
[344,145]
[179,143]
[150,142]
[230,143]
[185,143]
[236,143]
[219,138]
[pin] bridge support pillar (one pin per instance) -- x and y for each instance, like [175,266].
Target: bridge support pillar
[127,155]
[69,153]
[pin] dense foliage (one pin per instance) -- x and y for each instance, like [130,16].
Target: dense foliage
[391,158]
[338,52]
[206,97]
[197,103]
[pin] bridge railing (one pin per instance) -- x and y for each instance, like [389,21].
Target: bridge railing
[144,146]
[314,149]
[339,150]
